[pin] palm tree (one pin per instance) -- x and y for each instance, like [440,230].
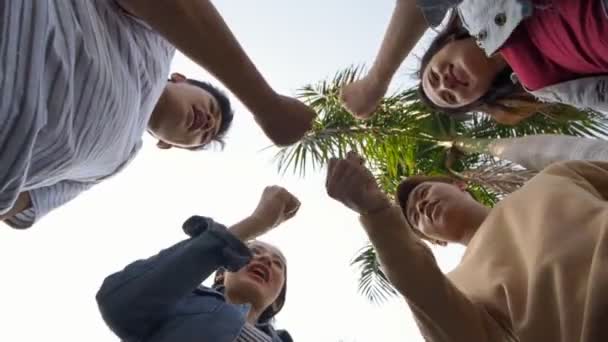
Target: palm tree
[406,138]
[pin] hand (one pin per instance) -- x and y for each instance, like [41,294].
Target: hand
[352,184]
[362,97]
[286,120]
[276,206]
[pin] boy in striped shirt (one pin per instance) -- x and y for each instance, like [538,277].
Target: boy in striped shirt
[82,80]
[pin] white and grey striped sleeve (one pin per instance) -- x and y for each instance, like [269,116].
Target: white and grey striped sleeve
[20,117]
[46,199]
[250,333]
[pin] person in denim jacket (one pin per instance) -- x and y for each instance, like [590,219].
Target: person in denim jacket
[490,25]
[160,298]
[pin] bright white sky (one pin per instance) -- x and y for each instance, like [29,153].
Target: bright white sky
[51,273]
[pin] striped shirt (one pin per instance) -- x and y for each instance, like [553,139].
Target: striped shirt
[250,333]
[79,80]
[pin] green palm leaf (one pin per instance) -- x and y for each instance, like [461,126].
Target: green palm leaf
[405,138]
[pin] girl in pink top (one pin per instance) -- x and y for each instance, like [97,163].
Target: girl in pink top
[552,56]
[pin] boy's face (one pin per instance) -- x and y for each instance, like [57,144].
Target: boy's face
[185,116]
[441,211]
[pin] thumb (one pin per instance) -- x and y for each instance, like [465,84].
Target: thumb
[292,208]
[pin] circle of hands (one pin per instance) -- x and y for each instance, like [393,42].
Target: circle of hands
[348,182]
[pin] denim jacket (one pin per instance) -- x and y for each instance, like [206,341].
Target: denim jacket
[160,299]
[491,22]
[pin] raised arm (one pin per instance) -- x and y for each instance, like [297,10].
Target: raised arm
[443,313]
[36,203]
[536,152]
[136,300]
[405,29]
[196,28]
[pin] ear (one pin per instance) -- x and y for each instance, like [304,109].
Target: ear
[219,278]
[163,145]
[461,185]
[178,78]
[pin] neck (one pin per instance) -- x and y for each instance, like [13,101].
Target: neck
[478,215]
[155,118]
[499,62]
[254,312]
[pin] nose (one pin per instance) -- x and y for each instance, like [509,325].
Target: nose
[420,206]
[264,258]
[209,122]
[447,82]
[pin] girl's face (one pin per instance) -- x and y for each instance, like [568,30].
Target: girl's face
[261,281]
[459,74]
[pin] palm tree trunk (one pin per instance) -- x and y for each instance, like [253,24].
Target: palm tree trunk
[535,152]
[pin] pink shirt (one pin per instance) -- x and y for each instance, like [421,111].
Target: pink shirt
[562,41]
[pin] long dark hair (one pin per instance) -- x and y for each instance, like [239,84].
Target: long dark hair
[504,98]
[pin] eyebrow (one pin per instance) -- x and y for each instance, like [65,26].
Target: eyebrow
[414,198]
[430,79]
[273,254]
[214,106]
[432,87]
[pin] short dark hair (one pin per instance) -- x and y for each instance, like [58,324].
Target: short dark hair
[226,111]
[502,90]
[273,309]
[406,187]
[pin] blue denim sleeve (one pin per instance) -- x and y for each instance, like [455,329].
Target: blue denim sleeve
[436,10]
[134,301]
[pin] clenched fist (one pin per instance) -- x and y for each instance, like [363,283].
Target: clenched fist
[362,97]
[352,184]
[276,206]
[286,120]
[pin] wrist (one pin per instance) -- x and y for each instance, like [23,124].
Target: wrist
[262,102]
[379,77]
[379,204]
[249,228]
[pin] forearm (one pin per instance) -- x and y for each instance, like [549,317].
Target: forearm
[536,152]
[147,289]
[442,312]
[401,253]
[405,29]
[196,28]
[23,203]
[244,229]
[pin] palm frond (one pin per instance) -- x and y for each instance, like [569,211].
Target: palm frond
[373,284]
[406,138]
[502,178]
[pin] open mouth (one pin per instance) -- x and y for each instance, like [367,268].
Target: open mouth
[197,120]
[259,271]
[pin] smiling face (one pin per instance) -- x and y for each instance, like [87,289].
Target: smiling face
[440,210]
[459,74]
[185,116]
[261,281]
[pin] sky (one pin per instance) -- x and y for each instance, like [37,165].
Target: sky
[50,273]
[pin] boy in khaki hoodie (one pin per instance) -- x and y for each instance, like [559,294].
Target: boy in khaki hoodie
[534,267]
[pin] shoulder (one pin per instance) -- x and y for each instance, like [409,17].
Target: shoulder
[284,336]
[587,92]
